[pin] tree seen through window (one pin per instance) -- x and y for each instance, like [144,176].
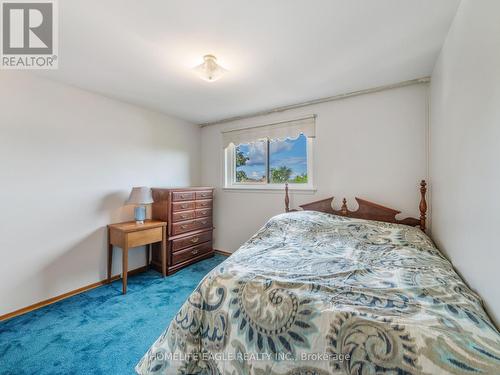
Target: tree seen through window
[272,161]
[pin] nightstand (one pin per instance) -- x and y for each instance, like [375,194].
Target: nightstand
[129,234]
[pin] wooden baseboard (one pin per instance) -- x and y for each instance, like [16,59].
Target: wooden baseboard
[55,299]
[63,296]
[223,252]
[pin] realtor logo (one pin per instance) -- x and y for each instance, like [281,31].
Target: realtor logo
[29,34]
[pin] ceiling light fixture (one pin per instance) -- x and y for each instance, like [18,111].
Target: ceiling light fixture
[209,71]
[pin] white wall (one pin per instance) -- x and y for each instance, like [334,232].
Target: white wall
[68,159]
[465,147]
[372,146]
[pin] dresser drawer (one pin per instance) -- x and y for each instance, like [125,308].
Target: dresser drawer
[183,196]
[182,206]
[187,241]
[183,215]
[184,226]
[207,203]
[203,212]
[144,237]
[191,252]
[204,194]
[205,222]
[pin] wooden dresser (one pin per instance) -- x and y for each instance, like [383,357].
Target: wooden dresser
[188,212]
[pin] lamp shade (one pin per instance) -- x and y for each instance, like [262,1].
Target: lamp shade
[140,195]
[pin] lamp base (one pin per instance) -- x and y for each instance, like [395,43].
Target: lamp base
[140,214]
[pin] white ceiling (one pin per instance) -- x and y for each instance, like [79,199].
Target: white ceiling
[278,52]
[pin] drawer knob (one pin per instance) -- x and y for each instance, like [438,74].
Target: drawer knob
[184,216]
[184,206]
[194,252]
[194,240]
[184,226]
[204,222]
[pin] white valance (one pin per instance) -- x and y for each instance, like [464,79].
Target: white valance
[280,130]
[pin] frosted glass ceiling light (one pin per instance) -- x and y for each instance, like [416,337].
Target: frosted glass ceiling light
[210,71]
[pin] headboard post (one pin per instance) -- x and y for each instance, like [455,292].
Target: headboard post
[423,204]
[287,199]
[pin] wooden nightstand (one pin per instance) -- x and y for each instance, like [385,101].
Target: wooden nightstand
[129,234]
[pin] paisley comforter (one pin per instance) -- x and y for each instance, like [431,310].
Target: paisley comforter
[313,293]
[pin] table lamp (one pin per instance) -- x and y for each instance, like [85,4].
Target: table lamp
[140,196]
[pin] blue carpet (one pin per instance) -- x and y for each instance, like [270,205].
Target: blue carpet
[100,331]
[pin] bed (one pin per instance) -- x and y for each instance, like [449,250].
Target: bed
[320,291]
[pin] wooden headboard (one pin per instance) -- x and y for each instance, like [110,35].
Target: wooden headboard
[366,210]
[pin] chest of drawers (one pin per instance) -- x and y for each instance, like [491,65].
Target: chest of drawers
[188,212]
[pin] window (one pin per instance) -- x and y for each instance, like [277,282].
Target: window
[251,162]
[288,161]
[256,162]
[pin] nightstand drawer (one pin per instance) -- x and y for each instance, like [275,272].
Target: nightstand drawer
[144,237]
[183,196]
[192,240]
[182,215]
[191,252]
[204,194]
[207,203]
[182,206]
[184,226]
[204,212]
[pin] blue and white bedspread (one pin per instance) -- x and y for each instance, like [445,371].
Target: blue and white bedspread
[319,294]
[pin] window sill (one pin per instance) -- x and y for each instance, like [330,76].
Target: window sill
[270,188]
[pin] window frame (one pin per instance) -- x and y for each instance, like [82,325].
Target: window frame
[229,171]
